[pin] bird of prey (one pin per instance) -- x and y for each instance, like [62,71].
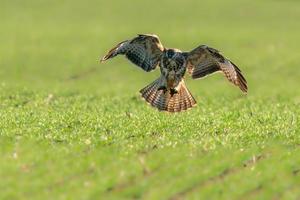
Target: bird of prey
[168,92]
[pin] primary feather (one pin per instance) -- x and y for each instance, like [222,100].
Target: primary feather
[144,51]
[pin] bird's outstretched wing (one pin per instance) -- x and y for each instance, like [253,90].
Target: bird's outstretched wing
[205,60]
[144,50]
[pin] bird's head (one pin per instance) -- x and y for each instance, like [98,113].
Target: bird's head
[170,53]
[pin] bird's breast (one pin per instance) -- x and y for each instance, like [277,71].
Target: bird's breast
[171,83]
[170,64]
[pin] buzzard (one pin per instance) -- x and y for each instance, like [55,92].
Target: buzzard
[168,92]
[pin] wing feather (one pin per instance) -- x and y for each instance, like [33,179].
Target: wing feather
[205,60]
[145,51]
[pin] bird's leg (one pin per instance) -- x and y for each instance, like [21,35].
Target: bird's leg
[173,91]
[163,88]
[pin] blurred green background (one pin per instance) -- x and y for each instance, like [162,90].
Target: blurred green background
[72,128]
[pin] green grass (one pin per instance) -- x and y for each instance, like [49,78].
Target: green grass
[71,128]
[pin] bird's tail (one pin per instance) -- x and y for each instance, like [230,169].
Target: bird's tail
[164,101]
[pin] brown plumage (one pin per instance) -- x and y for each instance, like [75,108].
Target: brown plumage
[144,51]
[204,60]
[168,92]
[164,101]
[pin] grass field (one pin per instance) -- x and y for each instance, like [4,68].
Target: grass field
[72,128]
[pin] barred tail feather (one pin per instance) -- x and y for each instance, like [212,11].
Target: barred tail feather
[164,101]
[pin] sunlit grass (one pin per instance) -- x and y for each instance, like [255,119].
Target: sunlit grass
[71,127]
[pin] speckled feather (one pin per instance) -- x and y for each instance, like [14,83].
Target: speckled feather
[204,60]
[144,50]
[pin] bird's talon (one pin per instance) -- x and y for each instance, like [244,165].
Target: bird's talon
[163,88]
[173,91]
